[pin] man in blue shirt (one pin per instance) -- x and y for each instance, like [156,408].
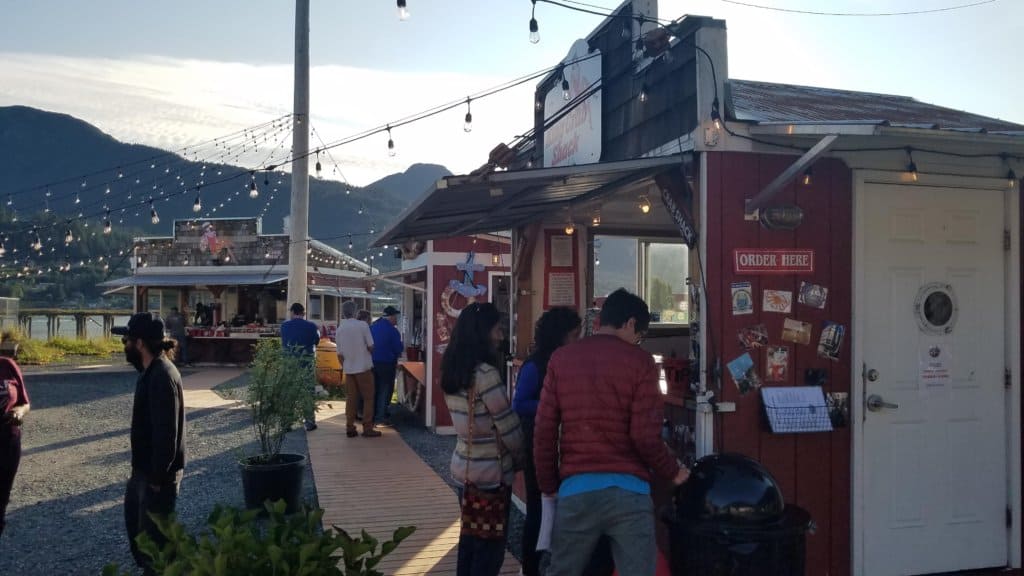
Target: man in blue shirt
[387,349]
[301,332]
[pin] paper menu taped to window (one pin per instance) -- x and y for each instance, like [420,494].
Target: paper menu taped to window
[794,409]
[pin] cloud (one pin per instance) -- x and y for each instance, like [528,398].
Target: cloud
[171,103]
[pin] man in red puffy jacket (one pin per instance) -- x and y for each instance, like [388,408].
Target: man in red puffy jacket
[598,441]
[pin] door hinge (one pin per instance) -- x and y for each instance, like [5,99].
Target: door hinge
[1006,240]
[1007,378]
[1009,517]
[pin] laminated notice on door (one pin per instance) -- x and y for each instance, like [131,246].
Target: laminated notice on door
[936,371]
[795,409]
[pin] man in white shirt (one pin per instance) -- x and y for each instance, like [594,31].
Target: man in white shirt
[355,351]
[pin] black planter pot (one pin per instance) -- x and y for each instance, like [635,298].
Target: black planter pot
[281,480]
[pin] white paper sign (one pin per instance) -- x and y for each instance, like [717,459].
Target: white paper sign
[561,252]
[562,289]
[936,371]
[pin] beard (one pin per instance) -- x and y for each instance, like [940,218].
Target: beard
[134,357]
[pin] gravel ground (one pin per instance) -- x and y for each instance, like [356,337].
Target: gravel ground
[66,514]
[436,451]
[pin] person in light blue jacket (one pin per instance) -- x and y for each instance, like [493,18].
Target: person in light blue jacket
[387,349]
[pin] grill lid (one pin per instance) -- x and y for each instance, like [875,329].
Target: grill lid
[730,488]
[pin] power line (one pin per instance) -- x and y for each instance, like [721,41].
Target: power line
[858,14]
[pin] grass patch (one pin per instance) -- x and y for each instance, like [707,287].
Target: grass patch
[94,347]
[35,352]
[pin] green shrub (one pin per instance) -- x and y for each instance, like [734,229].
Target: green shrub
[279,394]
[235,543]
[11,335]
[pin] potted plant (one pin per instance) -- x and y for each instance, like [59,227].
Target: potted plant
[279,395]
[236,542]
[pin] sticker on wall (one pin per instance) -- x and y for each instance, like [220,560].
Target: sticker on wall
[777,368]
[813,295]
[744,374]
[752,337]
[935,365]
[838,408]
[796,331]
[742,299]
[779,301]
[831,340]
[936,308]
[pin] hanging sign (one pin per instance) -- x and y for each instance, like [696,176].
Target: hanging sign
[575,136]
[673,202]
[769,261]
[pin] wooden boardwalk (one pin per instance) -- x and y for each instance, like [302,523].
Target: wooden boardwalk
[379,484]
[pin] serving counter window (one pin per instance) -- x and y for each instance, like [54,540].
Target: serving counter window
[655,269]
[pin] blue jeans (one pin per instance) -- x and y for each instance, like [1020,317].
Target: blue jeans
[480,556]
[384,388]
[625,518]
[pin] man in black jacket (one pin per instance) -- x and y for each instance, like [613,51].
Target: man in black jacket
[158,430]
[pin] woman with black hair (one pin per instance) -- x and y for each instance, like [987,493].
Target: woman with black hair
[489,448]
[555,328]
[14,406]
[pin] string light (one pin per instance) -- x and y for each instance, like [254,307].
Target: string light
[565,86]
[391,143]
[716,116]
[403,11]
[319,168]
[645,205]
[596,220]
[911,166]
[534,29]
[360,212]
[3,249]
[107,228]
[153,216]
[198,204]
[1011,179]
[643,94]
[68,236]
[253,190]
[807,176]
[468,126]
[349,241]
[37,244]
[77,199]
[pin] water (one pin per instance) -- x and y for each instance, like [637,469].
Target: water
[93,326]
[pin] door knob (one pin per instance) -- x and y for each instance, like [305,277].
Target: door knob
[875,403]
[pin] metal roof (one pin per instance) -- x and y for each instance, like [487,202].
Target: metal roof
[770,103]
[227,279]
[476,203]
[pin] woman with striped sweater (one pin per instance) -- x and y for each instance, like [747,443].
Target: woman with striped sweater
[470,375]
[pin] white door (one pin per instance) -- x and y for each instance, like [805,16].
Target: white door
[934,429]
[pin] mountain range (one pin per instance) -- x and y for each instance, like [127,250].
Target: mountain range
[77,159]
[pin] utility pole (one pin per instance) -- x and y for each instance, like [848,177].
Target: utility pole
[299,218]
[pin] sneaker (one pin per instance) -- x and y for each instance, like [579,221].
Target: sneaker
[351,433]
[372,434]
[310,426]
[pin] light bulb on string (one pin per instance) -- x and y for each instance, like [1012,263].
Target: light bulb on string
[565,86]
[391,143]
[643,94]
[77,199]
[1011,179]
[808,176]
[253,190]
[153,216]
[596,220]
[120,173]
[319,167]
[645,205]
[348,191]
[198,204]
[349,241]
[534,28]
[468,126]
[3,249]
[911,165]
[716,116]
[360,212]
[627,29]
[403,11]
[68,237]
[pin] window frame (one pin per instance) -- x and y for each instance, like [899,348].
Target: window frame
[643,246]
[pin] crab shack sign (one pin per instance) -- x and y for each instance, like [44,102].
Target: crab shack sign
[575,138]
[761,261]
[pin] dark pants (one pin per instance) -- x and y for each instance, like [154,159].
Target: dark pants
[140,499]
[480,556]
[10,457]
[601,563]
[182,349]
[384,382]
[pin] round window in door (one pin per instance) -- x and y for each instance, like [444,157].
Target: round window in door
[936,308]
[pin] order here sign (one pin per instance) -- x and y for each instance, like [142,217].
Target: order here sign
[760,261]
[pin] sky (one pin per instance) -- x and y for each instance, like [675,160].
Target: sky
[170,74]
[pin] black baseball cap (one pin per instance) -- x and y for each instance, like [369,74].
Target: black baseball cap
[391,311]
[142,325]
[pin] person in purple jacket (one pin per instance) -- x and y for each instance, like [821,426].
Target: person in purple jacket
[555,328]
[387,349]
